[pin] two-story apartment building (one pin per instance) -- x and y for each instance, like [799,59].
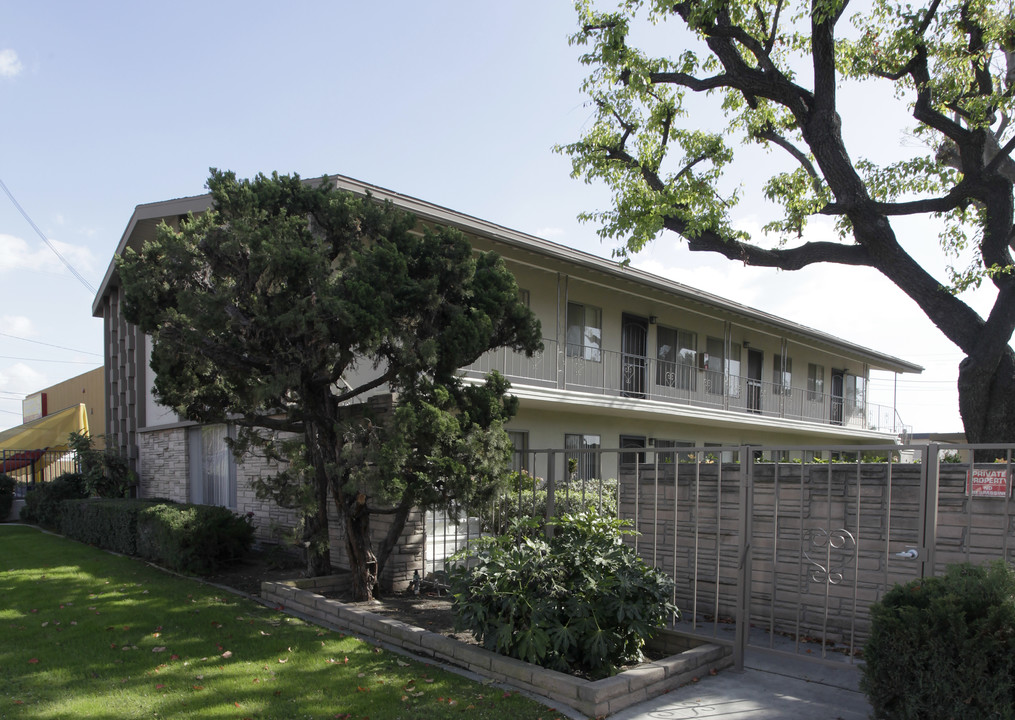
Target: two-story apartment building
[629,360]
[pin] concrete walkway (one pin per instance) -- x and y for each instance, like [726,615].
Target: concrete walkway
[771,686]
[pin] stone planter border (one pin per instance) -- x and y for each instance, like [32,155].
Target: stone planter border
[690,657]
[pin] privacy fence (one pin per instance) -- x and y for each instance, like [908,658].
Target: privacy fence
[757,538]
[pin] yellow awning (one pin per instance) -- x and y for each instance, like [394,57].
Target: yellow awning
[47,433]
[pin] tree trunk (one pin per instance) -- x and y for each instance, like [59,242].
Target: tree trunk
[987,400]
[316,538]
[362,562]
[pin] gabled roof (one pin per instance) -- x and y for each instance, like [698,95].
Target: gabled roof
[147,217]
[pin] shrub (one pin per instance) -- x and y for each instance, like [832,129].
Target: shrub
[42,501]
[527,499]
[109,524]
[944,647]
[581,602]
[106,473]
[193,538]
[7,485]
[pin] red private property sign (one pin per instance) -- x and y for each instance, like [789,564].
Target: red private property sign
[987,482]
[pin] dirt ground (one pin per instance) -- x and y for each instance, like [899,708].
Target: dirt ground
[429,610]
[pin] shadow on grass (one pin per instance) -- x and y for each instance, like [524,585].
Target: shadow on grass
[93,635]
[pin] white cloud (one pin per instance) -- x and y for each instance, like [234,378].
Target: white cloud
[16,325]
[549,233]
[19,256]
[10,66]
[22,379]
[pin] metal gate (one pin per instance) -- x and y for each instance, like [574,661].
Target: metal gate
[784,548]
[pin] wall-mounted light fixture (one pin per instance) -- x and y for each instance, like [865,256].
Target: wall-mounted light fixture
[653,319]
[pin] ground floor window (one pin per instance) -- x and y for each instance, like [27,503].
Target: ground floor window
[520,455]
[212,466]
[582,455]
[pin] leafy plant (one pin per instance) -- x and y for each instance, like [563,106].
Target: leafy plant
[106,473]
[528,499]
[43,500]
[582,601]
[7,485]
[944,647]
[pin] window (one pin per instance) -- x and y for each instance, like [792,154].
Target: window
[726,456]
[733,370]
[676,352]
[855,395]
[520,457]
[212,466]
[584,332]
[583,451]
[782,375]
[669,457]
[715,366]
[523,297]
[815,382]
[632,441]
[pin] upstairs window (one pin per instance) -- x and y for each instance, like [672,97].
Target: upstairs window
[815,382]
[782,375]
[715,366]
[584,332]
[676,353]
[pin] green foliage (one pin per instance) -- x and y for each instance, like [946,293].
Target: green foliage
[581,602]
[43,502]
[106,523]
[944,647]
[526,498]
[265,309]
[677,140]
[7,486]
[193,538]
[106,473]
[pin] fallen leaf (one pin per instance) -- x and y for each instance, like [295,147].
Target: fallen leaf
[198,687]
[227,654]
[160,648]
[33,661]
[402,664]
[283,660]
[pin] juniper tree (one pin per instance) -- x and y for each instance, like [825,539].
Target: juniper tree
[287,305]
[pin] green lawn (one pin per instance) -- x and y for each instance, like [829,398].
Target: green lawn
[85,634]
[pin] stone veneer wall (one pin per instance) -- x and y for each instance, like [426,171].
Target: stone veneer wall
[164,474]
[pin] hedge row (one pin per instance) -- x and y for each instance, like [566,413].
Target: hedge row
[189,538]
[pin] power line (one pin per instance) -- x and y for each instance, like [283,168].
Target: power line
[70,362]
[58,347]
[46,240]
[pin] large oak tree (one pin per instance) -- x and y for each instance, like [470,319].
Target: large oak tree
[287,305]
[775,71]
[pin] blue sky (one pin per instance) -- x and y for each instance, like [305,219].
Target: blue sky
[107,105]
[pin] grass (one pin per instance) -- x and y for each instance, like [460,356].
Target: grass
[86,634]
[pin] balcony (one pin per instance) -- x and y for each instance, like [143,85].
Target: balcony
[618,374]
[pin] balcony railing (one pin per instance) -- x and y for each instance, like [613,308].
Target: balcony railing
[624,375]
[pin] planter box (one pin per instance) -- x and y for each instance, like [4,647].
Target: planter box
[690,658]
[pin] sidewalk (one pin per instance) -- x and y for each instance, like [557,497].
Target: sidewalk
[771,686]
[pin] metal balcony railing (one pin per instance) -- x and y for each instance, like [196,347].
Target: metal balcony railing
[624,375]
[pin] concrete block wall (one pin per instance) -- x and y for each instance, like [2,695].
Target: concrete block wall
[163,473]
